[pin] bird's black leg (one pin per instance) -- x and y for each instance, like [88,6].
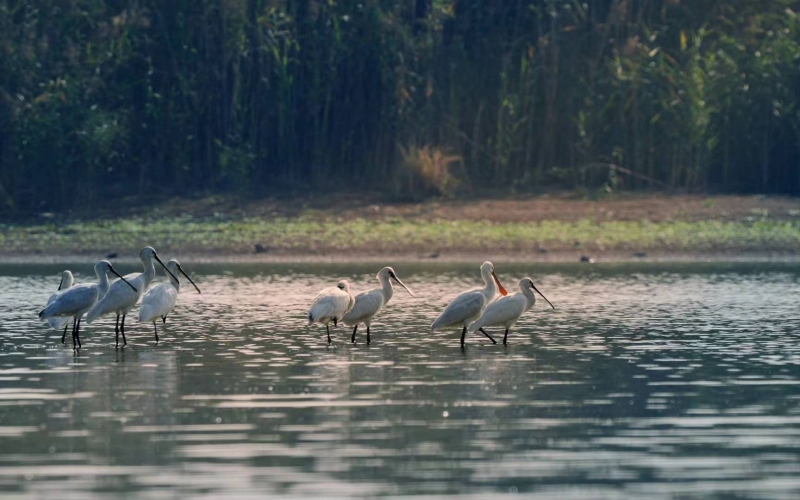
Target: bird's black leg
[334,321]
[353,338]
[490,337]
[122,330]
[164,319]
[64,337]
[327,329]
[463,335]
[155,331]
[367,334]
[505,337]
[116,329]
[77,337]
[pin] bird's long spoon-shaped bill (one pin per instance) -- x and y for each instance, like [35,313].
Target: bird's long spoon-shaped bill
[123,279]
[500,286]
[540,293]
[165,268]
[61,283]
[188,278]
[394,277]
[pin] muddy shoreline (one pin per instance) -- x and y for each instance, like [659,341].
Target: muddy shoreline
[417,257]
[558,228]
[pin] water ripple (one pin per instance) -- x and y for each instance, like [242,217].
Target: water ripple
[651,380]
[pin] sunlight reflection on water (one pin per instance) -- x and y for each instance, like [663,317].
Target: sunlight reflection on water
[656,380]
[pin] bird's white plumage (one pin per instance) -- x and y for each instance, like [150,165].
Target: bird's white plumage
[159,301]
[73,302]
[331,303]
[78,299]
[67,281]
[461,311]
[121,298]
[57,323]
[468,306]
[368,303]
[506,311]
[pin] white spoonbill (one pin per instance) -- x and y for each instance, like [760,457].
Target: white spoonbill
[159,301]
[468,306]
[331,305]
[506,311]
[368,303]
[80,298]
[56,323]
[120,299]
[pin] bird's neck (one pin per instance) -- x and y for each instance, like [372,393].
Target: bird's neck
[174,281]
[149,271]
[490,287]
[530,298]
[102,284]
[386,289]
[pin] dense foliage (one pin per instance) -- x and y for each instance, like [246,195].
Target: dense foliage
[105,97]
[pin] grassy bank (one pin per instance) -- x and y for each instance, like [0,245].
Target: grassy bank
[426,229]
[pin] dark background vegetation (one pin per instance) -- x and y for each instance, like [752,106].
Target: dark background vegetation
[102,98]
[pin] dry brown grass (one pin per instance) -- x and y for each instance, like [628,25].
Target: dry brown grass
[430,170]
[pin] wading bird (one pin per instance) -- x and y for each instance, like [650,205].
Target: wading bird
[159,301]
[120,299]
[506,311]
[368,303]
[56,323]
[331,305]
[80,298]
[468,306]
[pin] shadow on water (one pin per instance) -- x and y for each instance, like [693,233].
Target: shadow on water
[660,380]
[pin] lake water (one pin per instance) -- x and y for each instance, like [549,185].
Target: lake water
[649,380]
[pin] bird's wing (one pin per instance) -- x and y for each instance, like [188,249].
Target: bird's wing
[71,301]
[324,293]
[60,321]
[500,312]
[367,304]
[157,302]
[119,293]
[465,306]
[324,305]
[344,302]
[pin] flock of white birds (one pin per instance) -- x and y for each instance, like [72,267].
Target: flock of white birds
[120,296]
[472,310]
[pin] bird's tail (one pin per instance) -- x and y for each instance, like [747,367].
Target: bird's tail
[41,314]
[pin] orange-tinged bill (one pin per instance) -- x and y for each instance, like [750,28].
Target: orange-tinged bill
[499,285]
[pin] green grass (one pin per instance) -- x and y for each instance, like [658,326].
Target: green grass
[307,235]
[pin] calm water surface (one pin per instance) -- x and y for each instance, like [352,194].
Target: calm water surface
[659,381]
